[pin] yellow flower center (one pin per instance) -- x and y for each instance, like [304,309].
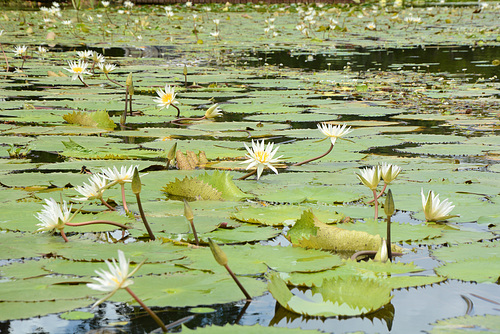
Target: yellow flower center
[167,98]
[262,156]
[77,69]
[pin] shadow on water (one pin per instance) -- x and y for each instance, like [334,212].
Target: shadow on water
[434,59]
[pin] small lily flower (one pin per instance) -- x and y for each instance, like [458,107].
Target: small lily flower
[98,58]
[434,209]
[213,111]
[371,26]
[123,176]
[105,3]
[389,172]
[42,52]
[67,22]
[106,68]
[370,177]
[78,69]
[94,189]
[21,51]
[260,157]
[166,98]
[334,131]
[53,216]
[85,55]
[115,279]
[128,4]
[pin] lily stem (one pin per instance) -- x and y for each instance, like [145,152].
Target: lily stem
[63,235]
[388,241]
[5,57]
[375,201]
[113,81]
[191,221]
[380,194]
[238,282]
[107,205]
[123,198]
[143,217]
[83,82]
[147,309]
[92,222]
[248,175]
[318,157]
[178,110]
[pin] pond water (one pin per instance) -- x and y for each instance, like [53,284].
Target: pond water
[431,109]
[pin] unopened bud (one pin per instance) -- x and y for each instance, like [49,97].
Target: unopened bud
[128,83]
[136,182]
[389,204]
[185,70]
[171,153]
[382,255]
[188,212]
[218,253]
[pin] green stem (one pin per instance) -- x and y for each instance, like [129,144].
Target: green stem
[147,309]
[388,241]
[318,157]
[238,282]
[143,217]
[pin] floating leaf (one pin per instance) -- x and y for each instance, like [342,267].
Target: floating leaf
[223,182]
[467,324]
[480,270]
[193,189]
[97,119]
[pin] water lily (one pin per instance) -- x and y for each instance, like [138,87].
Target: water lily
[105,3]
[213,111]
[78,69]
[389,172]
[121,176]
[370,177]
[53,216]
[85,55]
[334,131]
[106,68]
[42,52]
[94,189]
[98,58]
[434,209]
[128,4]
[21,51]
[260,157]
[118,277]
[166,98]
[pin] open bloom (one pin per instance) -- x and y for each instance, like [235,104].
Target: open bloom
[98,58]
[166,98]
[123,176]
[389,172]
[42,52]
[78,69]
[116,278]
[334,131]
[21,51]
[260,157]
[370,177]
[94,189]
[213,111]
[434,209]
[85,55]
[53,215]
[106,68]
[128,4]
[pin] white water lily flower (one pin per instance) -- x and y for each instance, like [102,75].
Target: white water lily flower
[94,189]
[166,98]
[128,4]
[106,68]
[260,157]
[389,172]
[42,52]
[85,55]
[78,69]
[213,111]
[98,58]
[334,131]
[123,176]
[370,177]
[116,278]
[21,51]
[434,209]
[66,22]
[105,3]
[53,215]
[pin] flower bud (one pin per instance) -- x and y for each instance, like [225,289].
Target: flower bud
[129,80]
[389,204]
[171,153]
[185,71]
[218,253]
[382,254]
[188,212]
[136,182]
